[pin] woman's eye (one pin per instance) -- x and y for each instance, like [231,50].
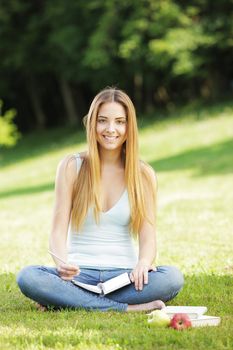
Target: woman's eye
[121,121]
[101,121]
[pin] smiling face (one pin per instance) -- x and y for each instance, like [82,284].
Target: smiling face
[111,126]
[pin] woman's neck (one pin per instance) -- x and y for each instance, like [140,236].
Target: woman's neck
[111,158]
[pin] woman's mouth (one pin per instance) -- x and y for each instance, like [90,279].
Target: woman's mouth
[110,138]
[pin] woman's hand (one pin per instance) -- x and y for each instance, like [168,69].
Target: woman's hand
[67,271]
[139,275]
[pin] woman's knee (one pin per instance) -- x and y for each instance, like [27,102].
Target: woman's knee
[174,277]
[25,278]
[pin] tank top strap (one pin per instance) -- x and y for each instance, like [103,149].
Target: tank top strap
[78,161]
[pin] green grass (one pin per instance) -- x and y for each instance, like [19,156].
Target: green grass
[192,153]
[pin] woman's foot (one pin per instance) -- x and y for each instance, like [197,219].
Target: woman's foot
[156,304]
[41,308]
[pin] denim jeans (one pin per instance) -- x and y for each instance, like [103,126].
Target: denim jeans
[43,285]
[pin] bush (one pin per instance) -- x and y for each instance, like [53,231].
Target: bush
[9,134]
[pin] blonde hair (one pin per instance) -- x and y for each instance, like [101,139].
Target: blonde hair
[138,179]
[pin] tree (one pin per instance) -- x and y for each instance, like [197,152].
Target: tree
[54,58]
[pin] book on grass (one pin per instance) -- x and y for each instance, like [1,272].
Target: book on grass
[193,312]
[205,320]
[108,286]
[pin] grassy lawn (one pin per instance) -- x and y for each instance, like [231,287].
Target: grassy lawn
[192,153]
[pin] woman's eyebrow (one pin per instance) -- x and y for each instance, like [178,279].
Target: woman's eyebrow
[102,116]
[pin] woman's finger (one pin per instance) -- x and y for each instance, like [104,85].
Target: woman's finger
[136,280]
[145,276]
[71,268]
[140,280]
[131,276]
[62,271]
[66,278]
[65,273]
[140,277]
[67,269]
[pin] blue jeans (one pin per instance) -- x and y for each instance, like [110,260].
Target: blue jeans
[43,285]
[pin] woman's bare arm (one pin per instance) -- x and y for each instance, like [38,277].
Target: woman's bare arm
[65,177]
[147,243]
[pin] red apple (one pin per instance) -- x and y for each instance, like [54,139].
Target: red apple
[180,322]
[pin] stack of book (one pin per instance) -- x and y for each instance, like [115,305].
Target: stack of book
[195,313]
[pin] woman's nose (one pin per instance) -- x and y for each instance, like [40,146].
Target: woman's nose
[110,127]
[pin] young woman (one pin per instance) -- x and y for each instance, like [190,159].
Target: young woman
[105,201]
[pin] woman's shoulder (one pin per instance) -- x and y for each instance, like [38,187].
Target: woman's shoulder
[148,171]
[81,155]
[146,167]
[71,158]
[71,162]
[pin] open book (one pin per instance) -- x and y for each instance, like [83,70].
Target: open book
[195,313]
[108,286]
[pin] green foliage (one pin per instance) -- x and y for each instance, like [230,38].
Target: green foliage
[8,130]
[144,47]
[179,47]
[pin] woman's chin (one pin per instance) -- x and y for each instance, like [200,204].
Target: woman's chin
[109,147]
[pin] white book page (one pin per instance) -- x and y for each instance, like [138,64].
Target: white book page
[115,283]
[90,287]
[205,320]
[192,311]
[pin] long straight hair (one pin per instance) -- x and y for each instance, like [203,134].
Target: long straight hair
[138,180]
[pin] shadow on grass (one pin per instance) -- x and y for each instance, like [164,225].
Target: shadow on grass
[41,142]
[27,190]
[193,111]
[214,159]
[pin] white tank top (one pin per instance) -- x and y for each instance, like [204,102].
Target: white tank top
[107,244]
